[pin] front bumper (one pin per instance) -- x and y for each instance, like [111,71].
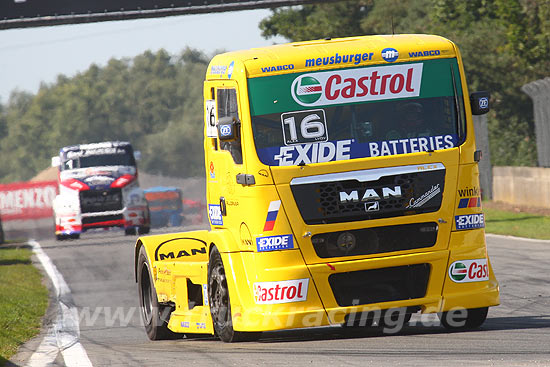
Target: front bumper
[324,306]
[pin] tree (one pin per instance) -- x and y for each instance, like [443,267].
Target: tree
[317,21]
[153,100]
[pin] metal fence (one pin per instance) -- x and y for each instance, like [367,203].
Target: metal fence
[539,91]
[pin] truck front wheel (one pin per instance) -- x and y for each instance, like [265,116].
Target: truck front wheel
[155,316]
[143,230]
[220,305]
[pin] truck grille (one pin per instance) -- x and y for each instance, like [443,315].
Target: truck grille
[93,201]
[408,193]
[375,240]
[380,285]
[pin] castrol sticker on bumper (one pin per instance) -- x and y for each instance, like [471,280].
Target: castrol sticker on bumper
[284,291]
[466,271]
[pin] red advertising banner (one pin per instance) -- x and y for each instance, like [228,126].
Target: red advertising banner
[27,200]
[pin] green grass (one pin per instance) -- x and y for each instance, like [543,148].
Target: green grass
[517,224]
[23,299]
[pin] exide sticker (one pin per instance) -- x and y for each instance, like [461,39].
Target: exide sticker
[327,151]
[273,243]
[284,291]
[470,221]
[357,85]
[466,271]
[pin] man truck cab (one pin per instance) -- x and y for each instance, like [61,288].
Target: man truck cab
[325,205]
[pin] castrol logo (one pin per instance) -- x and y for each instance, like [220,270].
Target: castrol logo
[284,291]
[466,271]
[357,85]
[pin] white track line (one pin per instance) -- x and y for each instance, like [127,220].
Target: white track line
[63,336]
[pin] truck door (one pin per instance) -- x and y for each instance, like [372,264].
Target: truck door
[224,159]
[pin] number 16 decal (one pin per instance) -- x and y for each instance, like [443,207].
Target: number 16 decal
[304,127]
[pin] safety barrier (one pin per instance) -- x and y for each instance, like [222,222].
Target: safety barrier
[523,186]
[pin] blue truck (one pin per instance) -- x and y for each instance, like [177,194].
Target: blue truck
[165,206]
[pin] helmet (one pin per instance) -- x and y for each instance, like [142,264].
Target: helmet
[412,112]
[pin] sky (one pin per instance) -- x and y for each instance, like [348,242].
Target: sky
[34,55]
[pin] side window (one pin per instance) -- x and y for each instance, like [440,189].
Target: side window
[227,106]
[69,164]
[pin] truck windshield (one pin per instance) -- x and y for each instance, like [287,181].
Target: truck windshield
[343,114]
[121,156]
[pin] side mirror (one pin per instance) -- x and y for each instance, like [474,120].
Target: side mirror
[228,128]
[480,102]
[56,161]
[137,155]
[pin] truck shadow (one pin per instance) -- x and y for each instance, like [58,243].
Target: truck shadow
[335,333]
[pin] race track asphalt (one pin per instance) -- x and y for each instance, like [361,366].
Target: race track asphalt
[99,271]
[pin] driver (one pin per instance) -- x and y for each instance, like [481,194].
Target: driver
[412,122]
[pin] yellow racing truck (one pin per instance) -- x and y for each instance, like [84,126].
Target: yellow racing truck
[342,187]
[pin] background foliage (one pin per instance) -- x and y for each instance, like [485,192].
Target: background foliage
[155,100]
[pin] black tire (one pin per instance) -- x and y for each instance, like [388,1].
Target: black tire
[155,316]
[220,305]
[74,236]
[143,230]
[473,319]
[131,231]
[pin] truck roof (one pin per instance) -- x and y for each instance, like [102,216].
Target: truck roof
[328,54]
[105,144]
[162,189]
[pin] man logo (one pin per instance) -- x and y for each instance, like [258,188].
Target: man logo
[306,89]
[372,206]
[390,54]
[370,195]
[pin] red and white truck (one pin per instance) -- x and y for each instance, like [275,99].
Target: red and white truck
[98,188]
